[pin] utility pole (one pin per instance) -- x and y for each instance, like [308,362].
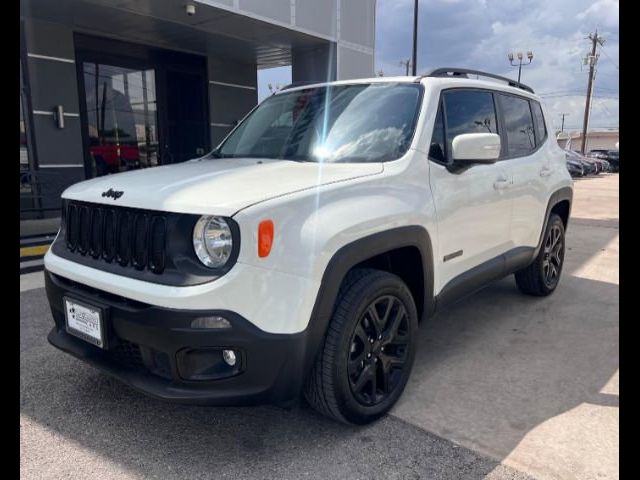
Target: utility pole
[563,115]
[415,39]
[591,59]
[406,64]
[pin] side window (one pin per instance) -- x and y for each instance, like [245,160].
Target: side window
[541,130]
[518,125]
[437,146]
[469,111]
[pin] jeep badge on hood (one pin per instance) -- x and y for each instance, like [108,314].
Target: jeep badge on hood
[115,194]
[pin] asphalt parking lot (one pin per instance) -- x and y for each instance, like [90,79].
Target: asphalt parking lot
[504,386]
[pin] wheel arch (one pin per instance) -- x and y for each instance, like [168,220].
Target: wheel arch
[560,202]
[373,251]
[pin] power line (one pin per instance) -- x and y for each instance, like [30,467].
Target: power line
[608,97]
[611,59]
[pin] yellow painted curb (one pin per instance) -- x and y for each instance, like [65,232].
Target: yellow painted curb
[33,251]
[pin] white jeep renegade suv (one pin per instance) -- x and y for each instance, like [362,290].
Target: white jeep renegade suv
[302,253]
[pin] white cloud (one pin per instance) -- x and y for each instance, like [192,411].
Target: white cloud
[603,12]
[478,34]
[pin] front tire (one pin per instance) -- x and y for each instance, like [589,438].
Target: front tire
[542,276]
[367,354]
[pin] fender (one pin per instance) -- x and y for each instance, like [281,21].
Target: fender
[352,254]
[565,193]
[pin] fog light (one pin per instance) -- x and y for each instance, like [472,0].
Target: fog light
[229,356]
[210,322]
[210,363]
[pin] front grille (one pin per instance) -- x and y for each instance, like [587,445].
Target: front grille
[132,238]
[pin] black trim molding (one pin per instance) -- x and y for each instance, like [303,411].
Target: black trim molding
[357,252]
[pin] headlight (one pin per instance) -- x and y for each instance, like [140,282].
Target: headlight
[212,241]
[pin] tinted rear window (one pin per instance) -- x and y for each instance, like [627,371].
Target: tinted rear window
[518,125]
[541,130]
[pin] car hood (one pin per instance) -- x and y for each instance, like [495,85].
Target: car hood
[214,186]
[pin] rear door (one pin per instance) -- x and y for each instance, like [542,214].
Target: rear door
[524,136]
[472,204]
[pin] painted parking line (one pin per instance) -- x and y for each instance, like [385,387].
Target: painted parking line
[33,251]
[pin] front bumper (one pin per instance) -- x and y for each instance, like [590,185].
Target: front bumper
[146,345]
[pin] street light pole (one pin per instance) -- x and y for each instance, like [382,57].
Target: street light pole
[415,39]
[520,56]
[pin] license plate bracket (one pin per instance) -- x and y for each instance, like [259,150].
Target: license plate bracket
[86,321]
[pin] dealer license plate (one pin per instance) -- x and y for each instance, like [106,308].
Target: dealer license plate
[84,321]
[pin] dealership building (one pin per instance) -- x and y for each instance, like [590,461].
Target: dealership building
[114,85]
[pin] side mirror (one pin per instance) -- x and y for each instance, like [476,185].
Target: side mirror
[476,147]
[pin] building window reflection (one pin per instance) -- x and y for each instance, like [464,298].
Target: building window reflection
[122,124]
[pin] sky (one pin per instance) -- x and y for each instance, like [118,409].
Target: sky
[479,34]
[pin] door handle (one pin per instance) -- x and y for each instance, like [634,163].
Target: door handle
[501,183]
[545,172]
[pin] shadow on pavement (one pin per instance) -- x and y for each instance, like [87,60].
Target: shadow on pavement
[498,364]
[69,408]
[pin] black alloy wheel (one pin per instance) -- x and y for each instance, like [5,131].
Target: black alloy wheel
[367,354]
[541,277]
[378,351]
[553,255]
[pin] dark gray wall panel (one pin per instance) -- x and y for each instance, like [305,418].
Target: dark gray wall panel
[317,16]
[357,22]
[53,181]
[317,64]
[58,146]
[50,39]
[53,83]
[228,104]
[276,9]
[226,70]
[217,134]
[354,64]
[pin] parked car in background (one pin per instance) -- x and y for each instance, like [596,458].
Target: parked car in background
[575,167]
[598,158]
[612,157]
[614,160]
[589,165]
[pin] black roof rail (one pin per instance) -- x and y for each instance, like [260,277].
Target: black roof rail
[465,72]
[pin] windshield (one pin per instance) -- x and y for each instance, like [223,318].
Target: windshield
[339,123]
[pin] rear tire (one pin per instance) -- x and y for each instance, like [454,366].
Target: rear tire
[542,276]
[368,351]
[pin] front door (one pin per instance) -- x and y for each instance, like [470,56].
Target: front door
[472,205]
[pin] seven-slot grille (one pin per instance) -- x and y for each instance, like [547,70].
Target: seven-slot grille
[129,237]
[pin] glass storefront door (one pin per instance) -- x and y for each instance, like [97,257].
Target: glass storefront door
[121,118]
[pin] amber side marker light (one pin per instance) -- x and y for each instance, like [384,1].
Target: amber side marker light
[265,238]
